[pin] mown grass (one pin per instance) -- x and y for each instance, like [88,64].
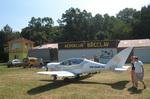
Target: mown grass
[19,83]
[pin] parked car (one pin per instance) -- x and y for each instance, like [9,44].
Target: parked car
[14,62]
[33,62]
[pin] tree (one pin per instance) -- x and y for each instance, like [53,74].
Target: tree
[77,25]
[126,15]
[121,31]
[103,25]
[56,34]
[98,22]
[1,45]
[6,34]
[126,20]
[38,30]
[141,25]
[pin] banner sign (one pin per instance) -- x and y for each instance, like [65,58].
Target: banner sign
[88,44]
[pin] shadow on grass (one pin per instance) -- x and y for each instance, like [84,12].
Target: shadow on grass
[120,85]
[59,83]
[133,90]
[54,85]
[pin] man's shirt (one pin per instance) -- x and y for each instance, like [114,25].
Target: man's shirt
[138,67]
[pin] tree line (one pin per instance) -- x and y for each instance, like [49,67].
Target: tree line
[78,25]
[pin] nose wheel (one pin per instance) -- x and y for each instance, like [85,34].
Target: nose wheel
[46,68]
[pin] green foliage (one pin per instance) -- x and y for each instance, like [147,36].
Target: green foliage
[6,34]
[141,26]
[39,30]
[126,15]
[76,25]
[121,30]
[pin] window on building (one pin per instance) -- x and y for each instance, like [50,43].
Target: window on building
[16,46]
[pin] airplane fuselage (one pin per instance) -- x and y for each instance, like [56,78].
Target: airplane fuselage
[86,66]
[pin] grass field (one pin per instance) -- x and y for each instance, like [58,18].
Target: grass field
[19,83]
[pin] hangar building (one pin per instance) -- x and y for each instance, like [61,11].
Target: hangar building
[48,52]
[102,50]
[141,48]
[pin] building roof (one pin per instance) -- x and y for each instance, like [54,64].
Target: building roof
[134,43]
[21,39]
[55,45]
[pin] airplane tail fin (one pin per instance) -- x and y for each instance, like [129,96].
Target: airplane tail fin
[118,61]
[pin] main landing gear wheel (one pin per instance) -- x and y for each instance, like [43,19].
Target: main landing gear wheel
[54,77]
[66,79]
[77,76]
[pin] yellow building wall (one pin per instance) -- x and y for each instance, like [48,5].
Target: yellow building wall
[18,55]
[19,49]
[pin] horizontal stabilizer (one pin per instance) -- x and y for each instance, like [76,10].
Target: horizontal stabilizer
[124,68]
[57,73]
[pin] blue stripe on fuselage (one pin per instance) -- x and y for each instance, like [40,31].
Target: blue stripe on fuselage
[97,66]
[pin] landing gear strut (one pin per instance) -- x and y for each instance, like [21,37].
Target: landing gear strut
[54,77]
[77,76]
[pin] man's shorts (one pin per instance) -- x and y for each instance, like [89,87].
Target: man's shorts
[139,76]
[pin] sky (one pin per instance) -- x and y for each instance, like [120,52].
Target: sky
[17,13]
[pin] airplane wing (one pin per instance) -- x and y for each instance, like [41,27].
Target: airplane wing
[58,73]
[124,68]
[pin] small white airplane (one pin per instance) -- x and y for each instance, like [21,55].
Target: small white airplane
[74,67]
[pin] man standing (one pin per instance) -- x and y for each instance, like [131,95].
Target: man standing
[139,71]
